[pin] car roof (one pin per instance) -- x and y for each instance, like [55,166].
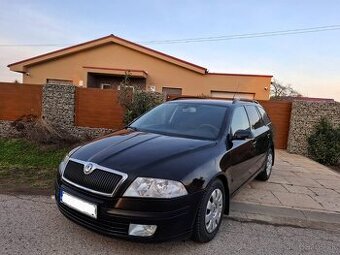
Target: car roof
[222,102]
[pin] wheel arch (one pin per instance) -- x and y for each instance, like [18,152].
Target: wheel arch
[273,151]
[224,180]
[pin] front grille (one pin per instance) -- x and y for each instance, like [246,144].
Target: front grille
[98,181]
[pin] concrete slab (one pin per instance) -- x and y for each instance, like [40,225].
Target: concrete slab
[318,176]
[325,192]
[329,203]
[283,173]
[285,216]
[333,184]
[267,186]
[296,182]
[277,179]
[247,208]
[257,196]
[295,200]
[298,189]
[300,181]
[322,216]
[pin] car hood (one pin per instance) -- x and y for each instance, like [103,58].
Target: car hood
[135,152]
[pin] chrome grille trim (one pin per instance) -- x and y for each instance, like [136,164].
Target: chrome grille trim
[99,167]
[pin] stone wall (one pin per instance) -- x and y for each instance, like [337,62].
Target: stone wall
[58,105]
[304,116]
[6,130]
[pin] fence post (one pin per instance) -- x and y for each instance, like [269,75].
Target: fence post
[58,104]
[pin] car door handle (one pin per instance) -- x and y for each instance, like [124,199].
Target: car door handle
[254,142]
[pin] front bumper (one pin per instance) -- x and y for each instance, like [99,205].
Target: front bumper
[174,217]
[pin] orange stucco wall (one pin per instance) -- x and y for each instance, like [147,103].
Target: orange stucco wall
[159,72]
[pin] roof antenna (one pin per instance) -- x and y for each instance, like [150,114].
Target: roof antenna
[236,90]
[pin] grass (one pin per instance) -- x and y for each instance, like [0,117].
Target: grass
[24,165]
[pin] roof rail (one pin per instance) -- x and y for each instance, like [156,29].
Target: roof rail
[236,100]
[187,97]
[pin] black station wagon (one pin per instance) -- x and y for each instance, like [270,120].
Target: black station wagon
[171,173]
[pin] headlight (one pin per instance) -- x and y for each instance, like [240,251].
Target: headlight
[156,188]
[63,163]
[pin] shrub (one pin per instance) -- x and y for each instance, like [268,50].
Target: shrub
[38,131]
[136,101]
[324,143]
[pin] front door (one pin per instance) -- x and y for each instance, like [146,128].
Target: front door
[261,140]
[239,157]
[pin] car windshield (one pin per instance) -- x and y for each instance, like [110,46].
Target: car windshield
[196,120]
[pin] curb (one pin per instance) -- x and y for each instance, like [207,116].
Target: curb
[283,216]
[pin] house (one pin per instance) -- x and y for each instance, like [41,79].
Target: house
[103,63]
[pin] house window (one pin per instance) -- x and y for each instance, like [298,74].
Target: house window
[168,91]
[132,88]
[106,86]
[58,81]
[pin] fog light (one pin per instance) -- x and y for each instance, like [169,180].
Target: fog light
[142,230]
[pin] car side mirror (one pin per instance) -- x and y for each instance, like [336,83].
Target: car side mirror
[241,134]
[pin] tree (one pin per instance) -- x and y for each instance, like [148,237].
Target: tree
[278,89]
[135,100]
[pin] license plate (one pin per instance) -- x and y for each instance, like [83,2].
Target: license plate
[78,204]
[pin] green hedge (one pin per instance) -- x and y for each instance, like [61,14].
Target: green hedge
[324,143]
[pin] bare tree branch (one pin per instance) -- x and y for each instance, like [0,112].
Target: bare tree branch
[280,90]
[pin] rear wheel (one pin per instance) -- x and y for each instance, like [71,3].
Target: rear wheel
[267,170]
[210,212]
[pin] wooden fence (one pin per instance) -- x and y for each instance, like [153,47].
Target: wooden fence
[97,108]
[100,108]
[279,113]
[17,100]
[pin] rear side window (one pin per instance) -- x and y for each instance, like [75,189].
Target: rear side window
[254,117]
[264,115]
[239,121]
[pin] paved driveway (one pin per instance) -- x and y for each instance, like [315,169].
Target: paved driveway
[296,182]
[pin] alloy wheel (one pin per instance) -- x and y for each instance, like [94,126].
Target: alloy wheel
[269,163]
[214,210]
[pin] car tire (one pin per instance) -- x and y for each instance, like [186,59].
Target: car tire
[212,206]
[267,168]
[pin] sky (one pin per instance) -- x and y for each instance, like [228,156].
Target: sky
[309,62]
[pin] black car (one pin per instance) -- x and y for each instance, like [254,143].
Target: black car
[171,173]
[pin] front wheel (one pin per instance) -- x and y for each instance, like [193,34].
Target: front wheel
[267,170]
[210,212]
